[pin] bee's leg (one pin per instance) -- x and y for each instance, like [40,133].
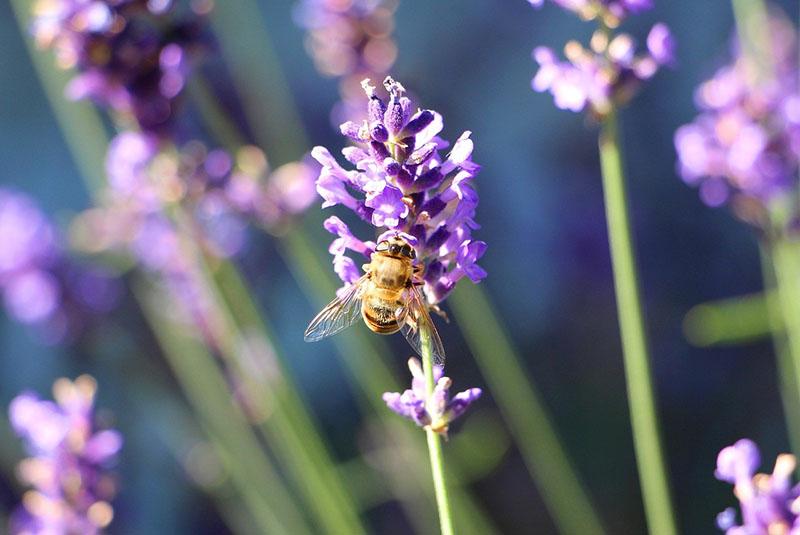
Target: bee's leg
[416,275]
[366,269]
[439,312]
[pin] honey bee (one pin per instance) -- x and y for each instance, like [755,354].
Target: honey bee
[387,297]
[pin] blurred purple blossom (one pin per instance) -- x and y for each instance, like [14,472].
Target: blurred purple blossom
[605,75]
[401,185]
[38,284]
[436,411]
[745,144]
[131,55]
[611,12]
[770,503]
[221,192]
[68,464]
[349,40]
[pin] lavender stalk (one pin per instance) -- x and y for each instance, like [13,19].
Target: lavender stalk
[600,79]
[644,419]
[252,472]
[435,446]
[786,367]
[526,415]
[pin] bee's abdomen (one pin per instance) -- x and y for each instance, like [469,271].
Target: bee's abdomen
[380,316]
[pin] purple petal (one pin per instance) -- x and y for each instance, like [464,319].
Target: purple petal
[737,462]
[103,446]
[661,44]
[346,268]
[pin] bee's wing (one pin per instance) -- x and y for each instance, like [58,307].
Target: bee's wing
[418,319]
[340,313]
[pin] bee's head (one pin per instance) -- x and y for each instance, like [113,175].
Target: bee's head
[397,247]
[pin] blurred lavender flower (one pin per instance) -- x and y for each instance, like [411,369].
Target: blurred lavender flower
[131,55]
[770,503]
[220,192]
[604,76]
[610,12]
[745,144]
[38,284]
[68,463]
[351,41]
[436,411]
[352,37]
[401,184]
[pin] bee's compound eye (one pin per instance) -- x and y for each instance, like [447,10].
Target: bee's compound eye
[382,246]
[394,249]
[412,253]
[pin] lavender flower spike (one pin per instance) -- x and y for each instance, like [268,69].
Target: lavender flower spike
[401,184]
[744,146]
[770,503]
[434,412]
[68,462]
[605,75]
[132,56]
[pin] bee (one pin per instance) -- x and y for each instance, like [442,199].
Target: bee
[387,297]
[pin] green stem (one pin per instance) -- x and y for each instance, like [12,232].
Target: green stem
[790,395]
[736,320]
[524,411]
[435,444]
[79,122]
[786,261]
[752,23]
[641,399]
[288,429]
[226,425]
[259,78]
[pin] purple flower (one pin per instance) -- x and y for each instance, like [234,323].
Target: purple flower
[131,55]
[346,38]
[148,175]
[38,284]
[661,44]
[745,143]
[350,41]
[68,464]
[401,184]
[768,502]
[611,12]
[604,76]
[433,411]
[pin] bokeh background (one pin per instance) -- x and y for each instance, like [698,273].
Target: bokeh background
[542,215]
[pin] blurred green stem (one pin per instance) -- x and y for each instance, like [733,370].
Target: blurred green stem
[226,425]
[752,26]
[641,399]
[787,379]
[734,320]
[79,122]
[524,411]
[435,443]
[259,79]
[786,261]
[243,340]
